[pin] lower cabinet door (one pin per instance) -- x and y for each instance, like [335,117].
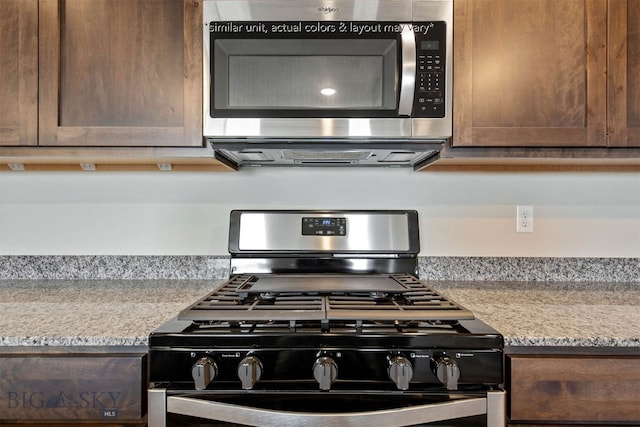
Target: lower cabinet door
[573,389]
[100,388]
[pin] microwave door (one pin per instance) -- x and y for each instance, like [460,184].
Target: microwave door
[308,86]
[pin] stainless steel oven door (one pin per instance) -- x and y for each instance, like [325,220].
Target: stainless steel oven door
[253,409]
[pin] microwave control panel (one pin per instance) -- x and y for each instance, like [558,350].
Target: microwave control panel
[429,97]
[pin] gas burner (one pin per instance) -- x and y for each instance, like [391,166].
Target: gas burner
[268,296]
[378,296]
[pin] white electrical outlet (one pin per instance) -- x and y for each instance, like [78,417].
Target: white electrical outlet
[524,219]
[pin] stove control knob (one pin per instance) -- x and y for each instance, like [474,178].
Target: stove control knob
[400,372]
[325,371]
[249,371]
[203,372]
[448,372]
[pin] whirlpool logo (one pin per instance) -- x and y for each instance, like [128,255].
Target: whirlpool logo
[328,10]
[104,401]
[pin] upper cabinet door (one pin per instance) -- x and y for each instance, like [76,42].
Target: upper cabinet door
[530,73]
[120,73]
[624,73]
[18,72]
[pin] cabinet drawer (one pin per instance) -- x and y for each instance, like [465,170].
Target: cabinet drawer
[70,387]
[574,388]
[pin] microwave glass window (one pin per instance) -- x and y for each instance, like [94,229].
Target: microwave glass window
[305,74]
[305,82]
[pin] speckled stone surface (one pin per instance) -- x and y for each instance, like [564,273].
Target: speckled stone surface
[91,312]
[113,267]
[577,314]
[124,312]
[530,269]
[217,267]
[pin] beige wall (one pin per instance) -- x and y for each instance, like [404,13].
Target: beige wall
[461,214]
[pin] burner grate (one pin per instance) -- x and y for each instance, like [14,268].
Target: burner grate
[226,303]
[311,327]
[416,303]
[415,308]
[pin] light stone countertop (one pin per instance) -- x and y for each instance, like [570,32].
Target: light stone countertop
[91,312]
[124,312]
[585,314]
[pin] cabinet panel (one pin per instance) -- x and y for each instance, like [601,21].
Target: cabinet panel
[73,387]
[120,73]
[133,46]
[624,70]
[574,388]
[530,73]
[18,72]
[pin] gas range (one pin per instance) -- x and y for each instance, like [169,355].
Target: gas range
[324,304]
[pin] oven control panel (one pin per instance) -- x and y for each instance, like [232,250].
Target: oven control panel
[275,234]
[335,369]
[324,226]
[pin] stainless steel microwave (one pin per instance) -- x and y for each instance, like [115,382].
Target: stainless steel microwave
[325,78]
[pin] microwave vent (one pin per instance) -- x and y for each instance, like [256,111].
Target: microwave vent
[254,155]
[307,155]
[400,156]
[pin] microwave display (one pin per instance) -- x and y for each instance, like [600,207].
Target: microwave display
[326,69]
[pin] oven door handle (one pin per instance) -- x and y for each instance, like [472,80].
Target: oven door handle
[408,80]
[427,413]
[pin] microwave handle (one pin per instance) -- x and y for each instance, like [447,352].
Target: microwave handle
[408,78]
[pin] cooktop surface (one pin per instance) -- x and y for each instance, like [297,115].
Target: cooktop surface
[324,284]
[250,297]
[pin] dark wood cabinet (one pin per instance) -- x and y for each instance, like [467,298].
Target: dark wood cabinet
[19,72]
[530,73]
[120,73]
[65,385]
[118,83]
[624,73]
[102,85]
[569,389]
[547,79]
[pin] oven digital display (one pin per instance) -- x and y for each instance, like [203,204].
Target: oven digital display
[324,226]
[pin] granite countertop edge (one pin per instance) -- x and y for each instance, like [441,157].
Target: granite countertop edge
[142,342]
[506,306]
